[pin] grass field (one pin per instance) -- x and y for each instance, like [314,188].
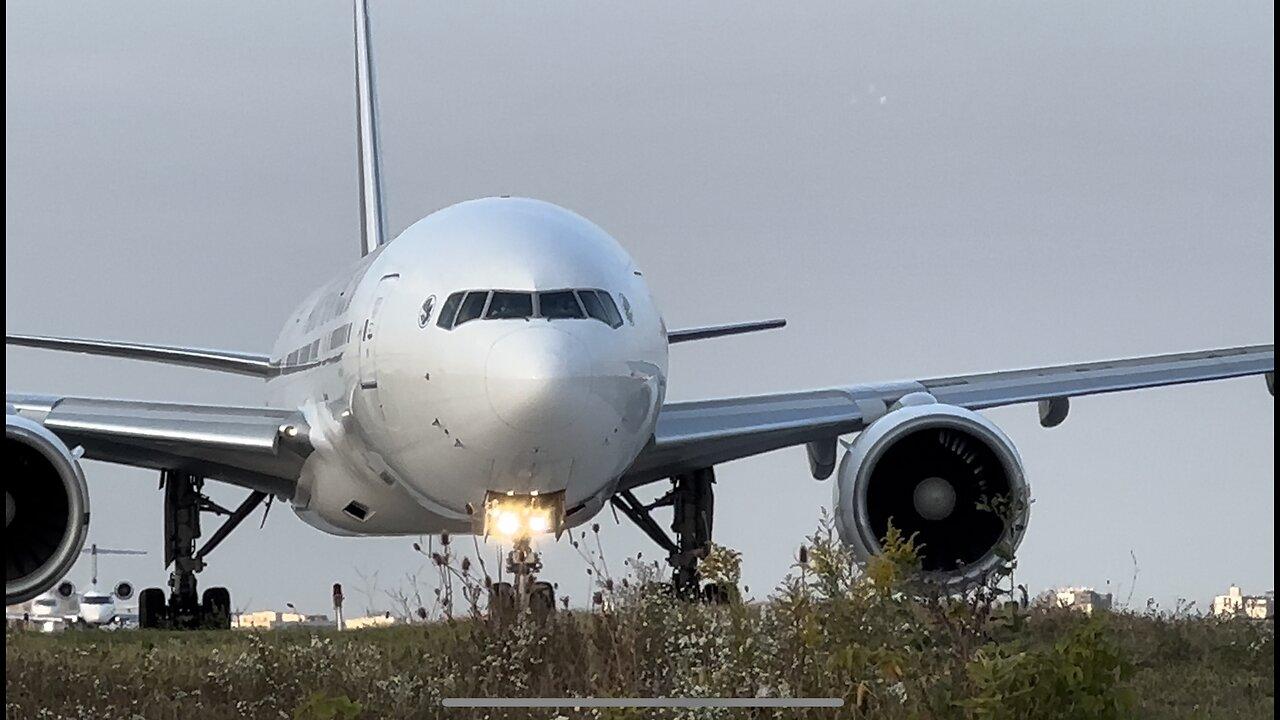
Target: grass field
[829,630]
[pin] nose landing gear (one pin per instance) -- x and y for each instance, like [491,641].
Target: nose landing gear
[526,593]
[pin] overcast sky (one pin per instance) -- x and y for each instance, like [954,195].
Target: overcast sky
[919,188]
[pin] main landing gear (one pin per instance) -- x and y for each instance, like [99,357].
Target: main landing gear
[185,608]
[692,500]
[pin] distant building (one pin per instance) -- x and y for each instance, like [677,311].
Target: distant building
[1082,599]
[1237,604]
[370,621]
[272,620]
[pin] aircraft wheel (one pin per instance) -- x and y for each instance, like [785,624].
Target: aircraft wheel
[542,600]
[502,600]
[215,606]
[151,608]
[715,594]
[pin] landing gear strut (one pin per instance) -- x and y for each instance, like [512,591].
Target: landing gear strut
[692,499]
[539,597]
[186,608]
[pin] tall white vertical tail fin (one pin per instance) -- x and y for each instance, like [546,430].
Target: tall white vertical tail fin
[372,218]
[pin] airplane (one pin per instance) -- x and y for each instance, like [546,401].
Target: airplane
[63,606]
[500,368]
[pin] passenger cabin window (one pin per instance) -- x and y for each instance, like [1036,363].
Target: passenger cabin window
[472,307]
[559,305]
[340,337]
[510,306]
[449,310]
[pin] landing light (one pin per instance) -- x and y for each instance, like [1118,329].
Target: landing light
[511,516]
[508,523]
[539,523]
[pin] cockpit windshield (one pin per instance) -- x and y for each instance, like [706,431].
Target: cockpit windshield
[510,306]
[467,305]
[472,306]
[600,306]
[559,305]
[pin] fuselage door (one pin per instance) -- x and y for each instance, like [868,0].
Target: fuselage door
[369,334]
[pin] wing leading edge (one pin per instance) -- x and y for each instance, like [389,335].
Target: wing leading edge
[713,331]
[227,361]
[694,435]
[258,448]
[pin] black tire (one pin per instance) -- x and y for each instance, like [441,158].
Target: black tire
[215,606]
[542,600]
[502,600]
[151,608]
[714,594]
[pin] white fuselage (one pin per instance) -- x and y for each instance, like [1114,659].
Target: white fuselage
[94,607]
[415,423]
[97,608]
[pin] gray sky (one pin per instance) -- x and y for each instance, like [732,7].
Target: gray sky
[920,188]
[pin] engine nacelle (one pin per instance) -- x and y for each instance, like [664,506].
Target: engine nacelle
[124,590]
[46,509]
[928,468]
[65,591]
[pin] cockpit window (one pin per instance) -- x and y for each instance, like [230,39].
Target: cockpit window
[449,310]
[510,306]
[610,310]
[467,305]
[472,307]
[559,305]
[95,600]
[593,306]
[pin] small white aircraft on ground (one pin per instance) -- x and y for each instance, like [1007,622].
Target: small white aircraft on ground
[500,367]
[62,606]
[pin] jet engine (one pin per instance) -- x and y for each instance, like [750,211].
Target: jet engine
[65,591]
[46,509]
[124,590]
[940,473]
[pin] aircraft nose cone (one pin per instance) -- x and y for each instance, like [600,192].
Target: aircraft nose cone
[538,378]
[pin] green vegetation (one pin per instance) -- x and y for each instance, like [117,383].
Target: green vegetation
[876,638]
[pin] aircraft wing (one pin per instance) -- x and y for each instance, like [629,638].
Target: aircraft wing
[241,363]
[258,448]
[693,435]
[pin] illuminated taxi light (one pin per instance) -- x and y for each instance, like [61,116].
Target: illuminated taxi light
[508,523]
[519,516]
[539,523]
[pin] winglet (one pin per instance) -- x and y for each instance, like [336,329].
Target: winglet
[372,216]
[702,333]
